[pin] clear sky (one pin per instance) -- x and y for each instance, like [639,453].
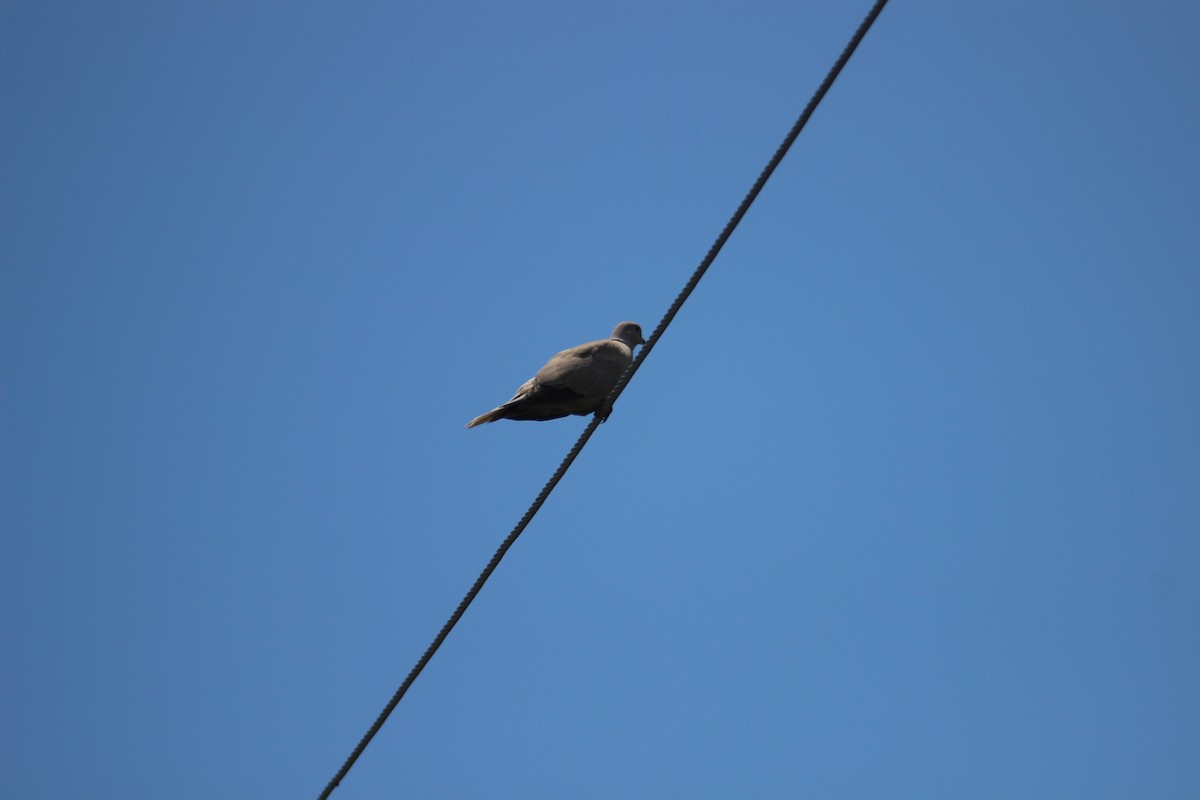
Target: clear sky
[906,503]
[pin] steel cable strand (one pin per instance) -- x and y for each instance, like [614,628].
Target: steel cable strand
[606,407]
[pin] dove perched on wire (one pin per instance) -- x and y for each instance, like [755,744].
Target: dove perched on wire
[575,381]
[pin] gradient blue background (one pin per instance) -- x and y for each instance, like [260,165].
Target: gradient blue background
[906,503]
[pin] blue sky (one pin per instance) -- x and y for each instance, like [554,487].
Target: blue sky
[904,504]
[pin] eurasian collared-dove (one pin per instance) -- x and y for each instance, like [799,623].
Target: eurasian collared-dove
[575,381]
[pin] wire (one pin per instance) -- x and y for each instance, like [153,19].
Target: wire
[606,406]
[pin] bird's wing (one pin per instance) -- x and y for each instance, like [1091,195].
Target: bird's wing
[588,370]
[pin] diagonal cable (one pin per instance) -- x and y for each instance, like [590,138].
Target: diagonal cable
[602,414]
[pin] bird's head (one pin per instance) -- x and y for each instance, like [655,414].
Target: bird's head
[629,333]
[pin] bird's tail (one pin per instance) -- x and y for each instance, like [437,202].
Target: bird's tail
[491,416]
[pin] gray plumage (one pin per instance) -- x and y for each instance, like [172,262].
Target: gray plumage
[575,381]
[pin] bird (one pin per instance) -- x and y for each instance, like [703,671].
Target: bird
[574,381]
